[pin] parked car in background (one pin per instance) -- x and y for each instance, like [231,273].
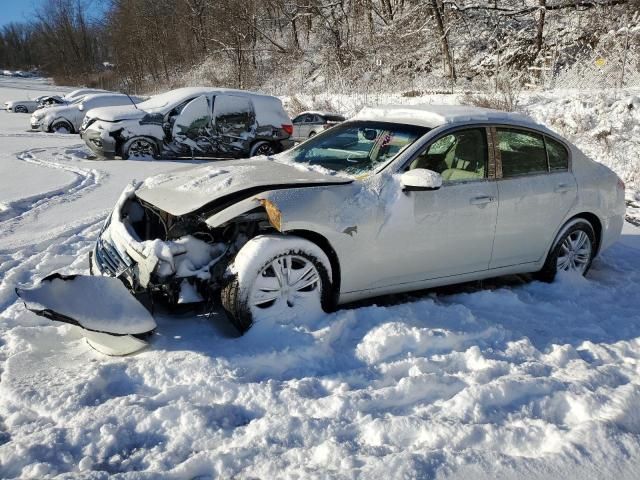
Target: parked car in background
[50,101]
[22,106]
[416,198]
[308,124]
[204,122]
[29,106]
[68,118]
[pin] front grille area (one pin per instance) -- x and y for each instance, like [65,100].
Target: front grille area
[110,261]
[86,122]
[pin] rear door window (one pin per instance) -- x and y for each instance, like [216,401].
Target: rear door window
[522,152]
[233,113]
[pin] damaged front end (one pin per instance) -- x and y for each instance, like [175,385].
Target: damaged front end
[181,258]
[142,249]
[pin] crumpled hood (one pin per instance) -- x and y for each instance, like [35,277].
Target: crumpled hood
[54,111]
[116,114]
[186,190]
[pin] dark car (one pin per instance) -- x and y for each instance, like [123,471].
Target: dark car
[202,122]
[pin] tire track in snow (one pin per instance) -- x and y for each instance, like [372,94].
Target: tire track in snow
[85,180]
[66,251]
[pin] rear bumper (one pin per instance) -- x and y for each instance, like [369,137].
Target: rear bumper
[611,231]
[287,144]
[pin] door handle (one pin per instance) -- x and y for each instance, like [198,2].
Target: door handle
[481,200]
[562,188]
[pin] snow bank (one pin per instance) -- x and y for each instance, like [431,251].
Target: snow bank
[506,381]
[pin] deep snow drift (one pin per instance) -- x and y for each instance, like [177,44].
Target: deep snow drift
[509,379]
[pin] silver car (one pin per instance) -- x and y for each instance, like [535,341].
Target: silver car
[394,200]
[308,124]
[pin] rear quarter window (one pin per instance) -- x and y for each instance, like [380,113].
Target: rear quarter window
[558,155]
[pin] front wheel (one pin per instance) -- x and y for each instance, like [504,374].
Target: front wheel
[139,148]
[61,126]
[262,148]
[573,251]
[20,109]
[277,278]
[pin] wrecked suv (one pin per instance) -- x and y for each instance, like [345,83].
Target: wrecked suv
[188,122]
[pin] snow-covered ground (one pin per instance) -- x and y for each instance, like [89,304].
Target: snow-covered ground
[508,379]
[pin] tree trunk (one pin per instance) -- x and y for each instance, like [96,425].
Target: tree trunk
[444,39]
[540,29]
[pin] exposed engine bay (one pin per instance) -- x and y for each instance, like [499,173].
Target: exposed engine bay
[182,258]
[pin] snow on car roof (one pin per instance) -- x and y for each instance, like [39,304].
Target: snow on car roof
[432,116]
[173,97]
[321,113]
[187,91]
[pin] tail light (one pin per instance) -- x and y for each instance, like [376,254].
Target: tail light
[288,129]
[621,185]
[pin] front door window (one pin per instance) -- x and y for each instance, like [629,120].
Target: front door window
[459,156]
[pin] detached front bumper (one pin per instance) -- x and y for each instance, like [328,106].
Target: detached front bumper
[101,146]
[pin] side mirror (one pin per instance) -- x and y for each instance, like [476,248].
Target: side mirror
[420,179]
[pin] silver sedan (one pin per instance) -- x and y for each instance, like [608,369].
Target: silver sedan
[396,199]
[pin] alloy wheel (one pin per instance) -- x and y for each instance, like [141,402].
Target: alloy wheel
[264,149]
[575,252]
[141,148]
[285,280]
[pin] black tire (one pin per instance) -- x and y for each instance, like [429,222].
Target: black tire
[235,296]
[550,267]
[262,147]
[312,134]
[139,144]
[61,124]
[20,109]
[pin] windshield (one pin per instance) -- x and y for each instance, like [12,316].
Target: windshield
[355,148]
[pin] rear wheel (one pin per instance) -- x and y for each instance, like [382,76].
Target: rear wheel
[61,126]
[139,148]
[262,147]
[279,278]
[573,251]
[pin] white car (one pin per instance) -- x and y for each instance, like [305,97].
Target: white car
[396,199]
[308,124]
[68,118]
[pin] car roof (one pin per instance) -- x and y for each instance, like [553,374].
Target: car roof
[188,91]
[432,116]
